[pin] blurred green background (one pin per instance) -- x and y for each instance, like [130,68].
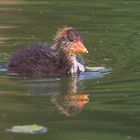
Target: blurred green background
[111,32]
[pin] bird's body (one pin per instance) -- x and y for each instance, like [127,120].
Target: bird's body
[41,60]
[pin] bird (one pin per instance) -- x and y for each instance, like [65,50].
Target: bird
[61,58]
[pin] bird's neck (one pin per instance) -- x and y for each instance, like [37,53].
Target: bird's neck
[75,66]
[73,62]
[71,57]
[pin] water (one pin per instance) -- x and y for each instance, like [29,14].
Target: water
[98,107]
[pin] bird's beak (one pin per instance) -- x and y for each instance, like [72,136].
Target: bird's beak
[80,48]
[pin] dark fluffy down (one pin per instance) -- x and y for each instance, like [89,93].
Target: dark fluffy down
[39,60]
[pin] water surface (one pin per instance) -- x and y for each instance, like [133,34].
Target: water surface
[100,107]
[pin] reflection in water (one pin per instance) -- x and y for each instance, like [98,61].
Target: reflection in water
[65,94]
[71,104]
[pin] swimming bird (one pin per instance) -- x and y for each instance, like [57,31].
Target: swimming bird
[44,60]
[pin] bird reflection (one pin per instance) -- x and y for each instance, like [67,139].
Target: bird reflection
[71,104]
[65,93]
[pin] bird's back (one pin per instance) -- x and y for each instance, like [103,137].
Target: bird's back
[39,60]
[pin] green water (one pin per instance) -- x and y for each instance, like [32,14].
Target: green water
[111,32]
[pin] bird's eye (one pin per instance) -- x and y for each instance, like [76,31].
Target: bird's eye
[70,39]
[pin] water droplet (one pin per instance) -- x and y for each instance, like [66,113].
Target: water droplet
[126,3]
[106,31]
[122,24]
[101,41]
[108,89]
[32,36]
[36,26]
[129,137]
[134,106]
[40,12]
[125,95]
[98,81]
[117,133]
[19,9]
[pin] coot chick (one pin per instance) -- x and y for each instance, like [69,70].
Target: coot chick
[42,59]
